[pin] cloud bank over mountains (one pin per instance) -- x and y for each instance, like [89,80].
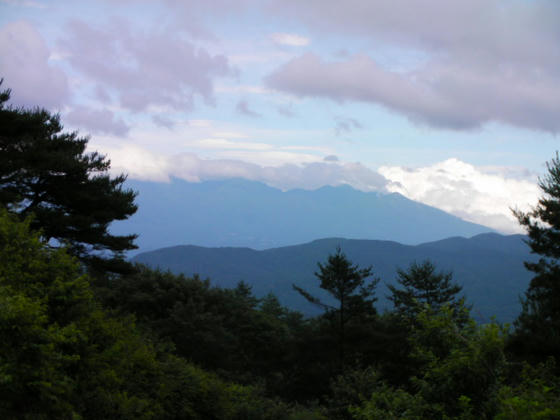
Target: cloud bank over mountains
[480,195]
[144,165]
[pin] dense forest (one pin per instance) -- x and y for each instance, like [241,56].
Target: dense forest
[85,334]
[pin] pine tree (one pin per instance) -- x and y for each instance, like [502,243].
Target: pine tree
[537,332]
[346,283]
[48,173]
[422,285]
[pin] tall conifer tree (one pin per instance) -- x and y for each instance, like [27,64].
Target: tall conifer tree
[538,326]
[346,283]
[422,285]
[47,172]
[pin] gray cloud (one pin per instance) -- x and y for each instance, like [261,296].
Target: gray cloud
[345,125]
[96,121]
[102,95]
[518,31]
[442,94]
[286,111]
[161,68]
[505,70]
[25,67]
[242,108]
[191,16]
[163,121]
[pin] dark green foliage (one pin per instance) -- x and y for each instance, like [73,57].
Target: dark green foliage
[421,285]
[535,396]
[387,403]
[352,388]
[355,298]
[219,329]
[48,173]
[62,356]
[459,375]
[389,350]
[537,333]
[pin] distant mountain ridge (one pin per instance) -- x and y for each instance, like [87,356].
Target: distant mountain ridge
[238,212]
[488,266]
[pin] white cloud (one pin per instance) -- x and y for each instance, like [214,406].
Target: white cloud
[292,40]
[218,143]
[280,169]
[478,195]
[200,123]
[272,158]
[229,135]
[138,163]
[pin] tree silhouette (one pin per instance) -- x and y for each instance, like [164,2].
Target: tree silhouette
[48,173]
[422,285]
[538,326]
[346,283]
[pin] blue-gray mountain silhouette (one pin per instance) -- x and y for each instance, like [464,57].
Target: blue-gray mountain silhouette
[488,266]
[238,212]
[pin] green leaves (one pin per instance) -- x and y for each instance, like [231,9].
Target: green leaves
[460,370]
[537,396]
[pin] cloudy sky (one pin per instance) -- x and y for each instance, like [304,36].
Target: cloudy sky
[452,103]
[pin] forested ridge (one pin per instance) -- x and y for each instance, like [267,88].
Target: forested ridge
[488,266]
[84,334]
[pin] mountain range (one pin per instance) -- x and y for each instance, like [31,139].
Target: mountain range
[243,213]
[488,266]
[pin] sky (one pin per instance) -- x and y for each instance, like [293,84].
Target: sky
[455,104]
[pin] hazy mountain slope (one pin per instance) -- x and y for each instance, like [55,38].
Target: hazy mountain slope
[245,213]
[489,266]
